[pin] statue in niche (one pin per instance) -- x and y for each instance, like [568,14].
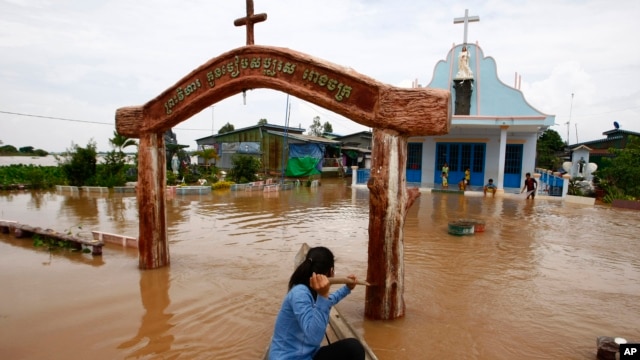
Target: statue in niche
[175,163]
[581,165]
[464,70]
[172,148]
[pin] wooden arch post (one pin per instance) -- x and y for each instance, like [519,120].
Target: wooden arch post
[395,114]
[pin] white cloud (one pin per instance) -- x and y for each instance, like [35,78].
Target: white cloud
[82,59]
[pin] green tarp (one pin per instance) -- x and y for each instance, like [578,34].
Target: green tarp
[302,166]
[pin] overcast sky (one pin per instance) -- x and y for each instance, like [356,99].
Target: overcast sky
[63,60]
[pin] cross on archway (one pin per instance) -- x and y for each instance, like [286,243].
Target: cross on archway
[249,20]
[466,20]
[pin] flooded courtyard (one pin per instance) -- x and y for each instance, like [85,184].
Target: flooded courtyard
[542,282]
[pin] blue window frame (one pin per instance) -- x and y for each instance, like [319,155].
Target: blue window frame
[414,162]
[513,166]
[459,157]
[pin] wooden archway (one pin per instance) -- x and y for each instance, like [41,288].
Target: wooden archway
[394,113]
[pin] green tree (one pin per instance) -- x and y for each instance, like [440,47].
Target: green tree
[623,171]
[316,127]
[113,171]
[79,164]
[549,144]
[327,127]
[262,122]
[26,149]
[8,149]
[226,128]
[245,168]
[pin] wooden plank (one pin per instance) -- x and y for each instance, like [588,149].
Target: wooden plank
[6,226]
[25,231]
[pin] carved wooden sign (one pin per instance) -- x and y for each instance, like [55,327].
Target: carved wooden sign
[336,88]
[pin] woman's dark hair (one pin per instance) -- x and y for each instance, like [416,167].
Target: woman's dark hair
[319,260]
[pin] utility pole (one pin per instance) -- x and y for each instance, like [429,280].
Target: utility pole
[569,122]
[212,118]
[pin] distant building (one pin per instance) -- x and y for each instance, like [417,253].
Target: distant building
[356,150]
[280,149]
[599,149]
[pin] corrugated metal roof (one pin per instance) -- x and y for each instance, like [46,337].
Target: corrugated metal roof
[306,138]
[265,126]
[356,149]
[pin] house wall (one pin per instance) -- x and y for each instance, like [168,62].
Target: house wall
[363,140]
[271,147]
[490,138]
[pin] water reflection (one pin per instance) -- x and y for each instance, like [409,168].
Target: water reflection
[37,199]
[52,257]
[154,336]
[82,208]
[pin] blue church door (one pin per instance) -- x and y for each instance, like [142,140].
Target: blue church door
[459,157]
[414,163]
[513,166]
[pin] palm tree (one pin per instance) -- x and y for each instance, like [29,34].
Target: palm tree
[207,154]
[120,141]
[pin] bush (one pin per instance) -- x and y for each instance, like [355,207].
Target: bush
[35,177]
[245,168]
[613,193]
[113,171]
[623,170]
[79,164]
[220,185]
[574,186]
[172,178]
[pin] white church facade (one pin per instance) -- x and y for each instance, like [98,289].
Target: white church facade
[494,129]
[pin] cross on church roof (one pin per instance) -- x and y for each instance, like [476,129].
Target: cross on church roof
[249,20]
[466,20]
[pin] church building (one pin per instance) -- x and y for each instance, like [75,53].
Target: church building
[493,129]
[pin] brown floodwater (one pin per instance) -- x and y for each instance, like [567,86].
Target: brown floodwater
[542,282]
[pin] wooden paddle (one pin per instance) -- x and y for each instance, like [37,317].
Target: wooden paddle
[335,280]
[302,254]
[526,194]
